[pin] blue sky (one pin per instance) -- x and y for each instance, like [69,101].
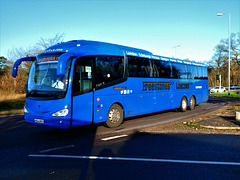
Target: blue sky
[154,25]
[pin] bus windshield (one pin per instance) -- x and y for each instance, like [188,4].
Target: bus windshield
[44,82]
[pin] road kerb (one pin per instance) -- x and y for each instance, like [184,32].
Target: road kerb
[221,128]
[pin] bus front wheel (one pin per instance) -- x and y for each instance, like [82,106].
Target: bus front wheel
[183,105]
[115,116]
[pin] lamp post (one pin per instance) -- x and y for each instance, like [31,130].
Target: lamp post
[176,49]
[229,43]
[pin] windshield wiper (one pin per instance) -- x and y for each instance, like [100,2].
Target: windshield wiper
[32,93]
[54,95]
[35,93]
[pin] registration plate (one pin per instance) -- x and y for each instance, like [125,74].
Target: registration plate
[39,120]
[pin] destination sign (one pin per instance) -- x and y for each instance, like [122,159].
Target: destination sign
[48,57]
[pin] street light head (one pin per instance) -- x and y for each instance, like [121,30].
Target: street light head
[219,14]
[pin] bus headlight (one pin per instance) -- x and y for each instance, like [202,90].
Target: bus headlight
[25,110]
[61,113]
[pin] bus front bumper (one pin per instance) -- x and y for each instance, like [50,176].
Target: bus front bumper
[53,122]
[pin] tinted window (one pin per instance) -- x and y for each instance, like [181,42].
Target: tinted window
[179,71]
[108,69]
[200,72]
[192,72]
[205,73]
[139,67]
[161,69]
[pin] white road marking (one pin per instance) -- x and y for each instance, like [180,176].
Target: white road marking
[57,148]
[136,159]
[114,137]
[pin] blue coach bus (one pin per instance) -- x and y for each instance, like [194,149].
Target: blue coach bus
[82,82]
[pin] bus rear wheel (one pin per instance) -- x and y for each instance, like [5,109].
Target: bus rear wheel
[192,103]
[115,116]
[183,105]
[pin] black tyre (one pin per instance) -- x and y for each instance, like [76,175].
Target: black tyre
[192,103]
[183,105]
[115,116]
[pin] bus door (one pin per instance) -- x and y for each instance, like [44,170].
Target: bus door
[82,92]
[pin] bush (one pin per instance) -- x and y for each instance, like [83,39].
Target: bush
[11,105]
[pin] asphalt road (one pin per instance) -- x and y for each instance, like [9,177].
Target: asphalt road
[28,152]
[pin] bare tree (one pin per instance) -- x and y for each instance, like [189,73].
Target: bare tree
[235,48]
[40,46]
[7,81]
[218,57]
[219,61]
[44,43]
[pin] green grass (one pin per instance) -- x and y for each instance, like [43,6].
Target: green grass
[225,94]
[12,105]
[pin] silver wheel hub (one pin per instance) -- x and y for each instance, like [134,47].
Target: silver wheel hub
[114,116]
[184,104]
[192,101]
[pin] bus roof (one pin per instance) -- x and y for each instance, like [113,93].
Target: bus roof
[87,47]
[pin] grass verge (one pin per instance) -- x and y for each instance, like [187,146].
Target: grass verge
[225,94]
[12,105]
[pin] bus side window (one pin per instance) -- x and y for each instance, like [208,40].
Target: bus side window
[155,69]
[163,69]
[175,72]
[190,71]
[132,70]
[179,71]
[108,69]
[205,73]
[200,72]
[139,67]
[194,72]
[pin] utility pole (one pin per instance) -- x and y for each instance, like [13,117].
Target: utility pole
[229,45]
[176,50]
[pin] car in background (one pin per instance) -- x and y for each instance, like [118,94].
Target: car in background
[217,89]
[234,87]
